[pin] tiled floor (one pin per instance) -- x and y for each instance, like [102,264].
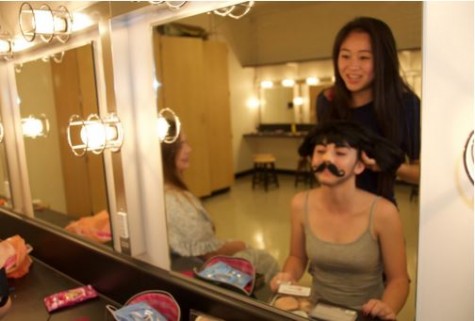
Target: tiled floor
[262,219]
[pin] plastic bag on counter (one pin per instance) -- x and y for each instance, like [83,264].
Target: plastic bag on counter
[230,272]
[153,305]
[136,312]
[14,256]
[96,227]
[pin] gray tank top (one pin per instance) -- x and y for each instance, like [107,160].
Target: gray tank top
[346,274]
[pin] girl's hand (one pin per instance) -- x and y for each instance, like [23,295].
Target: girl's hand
[280,278]
[377,308]
[370,162]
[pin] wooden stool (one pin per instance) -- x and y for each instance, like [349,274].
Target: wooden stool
[304,173]
[264,171]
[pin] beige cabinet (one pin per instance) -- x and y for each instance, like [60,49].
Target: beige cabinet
[193,74]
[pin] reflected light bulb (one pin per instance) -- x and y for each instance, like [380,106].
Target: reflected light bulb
[298,101]
[32,127]
[253,103]
[4,46]
[44,20]
[288,82]
[81,21]
[267,84]
[95,135]
[312,81]
[162,128]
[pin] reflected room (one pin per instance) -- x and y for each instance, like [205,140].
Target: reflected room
[247,87]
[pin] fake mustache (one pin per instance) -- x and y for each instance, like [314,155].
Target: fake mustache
[331,167]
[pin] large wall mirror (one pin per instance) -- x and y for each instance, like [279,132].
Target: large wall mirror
[64,187]
[272,39]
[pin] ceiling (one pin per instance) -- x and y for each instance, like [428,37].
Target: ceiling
[9,11]
[279,31]
[292,31]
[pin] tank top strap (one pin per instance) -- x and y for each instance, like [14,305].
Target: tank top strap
[305,209]
[371,212]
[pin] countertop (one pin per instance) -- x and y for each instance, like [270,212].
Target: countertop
[276,134]
[27,295]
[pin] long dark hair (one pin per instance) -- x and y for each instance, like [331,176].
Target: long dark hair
[388,85]
[171,175]
[387,154]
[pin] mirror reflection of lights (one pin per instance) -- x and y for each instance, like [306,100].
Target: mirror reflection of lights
[298,101]
[288,82]
[6,47]
[267,84]
[253,103]
[81,21]
[2,133]
[45,22]
[168,126]
[34,127]
[312,81]
[174,5]
[95,134]
[236,12]
[156,84]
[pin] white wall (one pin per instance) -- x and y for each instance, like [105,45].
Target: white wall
[446,253]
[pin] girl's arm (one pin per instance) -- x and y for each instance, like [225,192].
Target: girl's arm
[388,229]
[229,248]
[296,262]
[410,172]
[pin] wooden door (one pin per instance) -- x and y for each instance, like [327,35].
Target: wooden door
[183,90]
[75,93]
[217,101]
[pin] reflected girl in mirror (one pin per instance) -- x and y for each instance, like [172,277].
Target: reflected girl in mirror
[369,89]
[191,232]
[348,237]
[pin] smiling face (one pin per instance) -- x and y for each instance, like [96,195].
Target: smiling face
[356,66]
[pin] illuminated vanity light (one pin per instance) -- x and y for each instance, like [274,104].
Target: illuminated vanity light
[312,81]
[45,22]
[2,133]
[95,134]
[6,47]
[267,84]
[20,44]
[174,5]
[236,12]
[253,103]
[168,126]
[81,21]
[288,82]
[298,101]
[34,127]
[156,84]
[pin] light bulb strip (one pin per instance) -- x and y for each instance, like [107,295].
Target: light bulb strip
[45,22]
[230,11]
[162,114]
[88,132]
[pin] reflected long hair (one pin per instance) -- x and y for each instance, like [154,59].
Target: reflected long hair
[171,175]
[388,85]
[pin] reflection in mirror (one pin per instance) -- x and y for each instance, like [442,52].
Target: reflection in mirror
[277,105]
[64,188]
[210,98]
[5,192]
